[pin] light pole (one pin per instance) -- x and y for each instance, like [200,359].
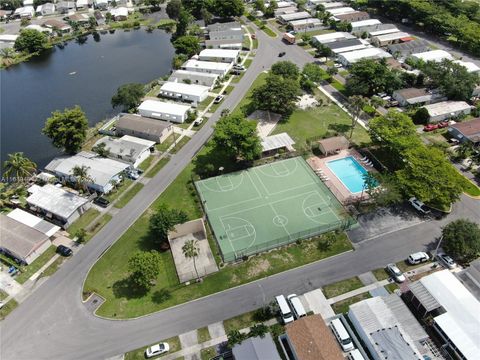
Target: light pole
[438,245]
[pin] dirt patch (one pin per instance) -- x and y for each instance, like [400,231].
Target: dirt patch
[286,257]
[307,101]
[258,267]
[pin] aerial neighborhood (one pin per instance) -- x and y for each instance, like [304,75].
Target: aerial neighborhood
[240,179]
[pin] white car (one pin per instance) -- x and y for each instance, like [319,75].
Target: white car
[157,349]
[418,205]
[337,65]
[417,258]
[218,99]
[393,270]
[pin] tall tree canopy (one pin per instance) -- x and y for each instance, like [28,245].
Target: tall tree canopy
[18,168]
[227,8]
[144,268]
[173,8]
[287,69]
[278,94]
[461,239]
[128,96]
[188,45]
[31,41]
[164,220]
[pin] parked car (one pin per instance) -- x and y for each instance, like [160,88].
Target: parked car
[430,127]
[419,206]
[64,250]
[101,201]
[281,54]
[254,36]
[395,272]
[218,99]
[198,122]
[133,174]
[417,258]
[442,124]
[239,67]
[447,261]
[157,349]
[296,306]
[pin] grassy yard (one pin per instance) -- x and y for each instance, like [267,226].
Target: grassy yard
[8,308]
[313,33]
[239,322]
[128,195]
[139,354]
[208,353]
[380,274]
[265,28]
[97,226]
[337,85]
[342,306]
[470,188]
[3,295]
[170,140]
[203,105]
[391,287]
[53,267]
[29,270]
[203,335]
[83,221]
[146,163]
[156,168]
[342,287]
[115,194]
[243,104]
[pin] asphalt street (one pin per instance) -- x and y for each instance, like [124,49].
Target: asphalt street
[53,323]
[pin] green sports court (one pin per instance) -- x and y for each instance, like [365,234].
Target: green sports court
[267,206]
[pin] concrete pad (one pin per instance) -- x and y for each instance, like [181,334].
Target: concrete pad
[367,278]
[266,121]
[216,330]
[379,291]
[188,339]
[318,303]
[8,284]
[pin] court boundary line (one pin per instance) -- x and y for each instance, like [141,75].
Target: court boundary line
[204,181]
[282,191]
[231,241]
[259,168]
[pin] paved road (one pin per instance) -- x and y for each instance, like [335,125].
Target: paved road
[53,323]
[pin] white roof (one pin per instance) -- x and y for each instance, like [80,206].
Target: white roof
[471,67]
[84,2]
[295,16]
[282,4]
[207,65]
[434,55]
[356,55]
[25,10]
[8,38]
[368,22]
[27,2]
[278,141]
[121,11]
[182,88]
[383,32]
[129,147]
[461,322]
[331,5]
[164,107]
[392,36]
[218,53]
[341,10]
[38,28]
[34,222]
[305,21]
[446,107]
[55,200]
[193,73]
[331,37]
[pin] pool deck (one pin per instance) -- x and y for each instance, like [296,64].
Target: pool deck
[319,165]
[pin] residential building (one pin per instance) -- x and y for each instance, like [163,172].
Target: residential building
[470,277]
[119,14]
[434,55]
[285,4]
[84,4]
[101,4]
[466,131]
[129,149]
[56,204]
[144,128]
[208,67]
[285,18]
[285,10]
[393,38]
[352,17]
[99,17]
[224,44]
[309,338]
[22,242]
[45,9]
[257,348]
[58,26]
[25,12]
[341,10]
[453,311]
[103,172]
[332,5]
[193,77]
[339,47]
[374,30]
[64,7]
[362,23]
[470,66]
[352,57]
[386,326]
[162,110]
[332,37]
[39,28]
[227,34]
[414,96]
[224,26]
[404,50]
[28,2]
[80,19]
[184,92]
[219,55]
[447,110]
[34,222]
[306,24]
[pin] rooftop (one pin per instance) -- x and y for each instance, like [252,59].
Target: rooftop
[219,53]
[411,93]
[182,88]
[471,67]
[206,65]
[335,143]
[470,128]
[368,22]
[256,348]
[305,21]
[352,16]
[129,147]
[164,107]
[434,55]
[446,107]
[224,26]
[278,141]
[142,124]
[392,36]
[295,16]
[344,43]
[34,222]
[356,55]
[330,37]
[341,10]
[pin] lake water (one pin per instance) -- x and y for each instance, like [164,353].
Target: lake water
[86,74]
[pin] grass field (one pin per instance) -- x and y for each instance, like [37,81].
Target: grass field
[83,221]
[342,287]
[29,270]
[115,194]
[203,335]
[342,306]
[239,322]
[127,196]
[208,353]
[156,168]
[8,308]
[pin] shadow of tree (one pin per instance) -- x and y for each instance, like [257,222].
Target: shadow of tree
[161,296]
[208,164]
[340,128]
[125,288]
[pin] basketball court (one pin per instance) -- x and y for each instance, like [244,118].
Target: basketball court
[268,206]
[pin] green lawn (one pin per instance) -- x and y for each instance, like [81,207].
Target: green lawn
[391,287]
[380,274]
[170,140]
[337,85]
[128,195]
[8,308]
[203,335]
[203,105]
[239,322]
[53,267]
[208,353]
[313,33]
[3,295]
[29,270]
[156,168]
[265,28]
[115,194]
[243,104]
[342,306]
[146,163]
[139,354]
[342,287]
[83,221]
[470,188]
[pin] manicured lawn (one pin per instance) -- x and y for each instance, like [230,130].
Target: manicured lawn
[391,287]
[50,270]
[342,306]
[3,295]
[139,354]
[146,163]
[380,274]
[313,33]
[208,353]
[470,188]
[29,270]
[404,266]
[170,140]
[342,287]
[83,221]
[203,105]
[239,322]
[8,308]
[265,28]
[128,195]
[115,194]
[243,104]
[156,168]
[203,335]
[337,85]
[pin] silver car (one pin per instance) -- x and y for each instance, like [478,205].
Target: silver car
[395,272]
[447,261]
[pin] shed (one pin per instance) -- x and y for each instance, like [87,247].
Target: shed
[144,128]
[162,110]
[333,144]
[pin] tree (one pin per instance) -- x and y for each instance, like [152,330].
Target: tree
[322,50]
[286,69]
[421,116]
[101,149]
[461,239]
[128,96]
[259,5]
[207,16]
[178,61]
[144,268]
[383,189]
[258,330]
[184,20]
[164,220]
[155,4]
[235,337]
[277,95]
[191,250]
[355,106]
[18,168]
[31,41]
[173,9]
[81,235]
[195,7]
[82,178]
[67,129]
[8,55]
[237,136]
[313,72]
[270,10]
[227,8]
[332,71]
[188,45]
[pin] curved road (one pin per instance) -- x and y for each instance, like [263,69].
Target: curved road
[53,323]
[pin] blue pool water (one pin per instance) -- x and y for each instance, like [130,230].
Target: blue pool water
[349,172]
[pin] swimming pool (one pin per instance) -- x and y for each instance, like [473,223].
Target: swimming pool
[349,172]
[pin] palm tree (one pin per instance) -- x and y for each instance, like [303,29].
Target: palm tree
[191,250]
[355,106]
[81,176]
[8,55]
[19,167]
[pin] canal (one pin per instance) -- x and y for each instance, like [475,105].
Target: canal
[86,74]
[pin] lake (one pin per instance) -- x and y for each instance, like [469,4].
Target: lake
[86,74]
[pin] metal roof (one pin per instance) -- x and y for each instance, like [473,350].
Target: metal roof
[256,348]
[164,107]
[446,107]
[34,222]
[434,55]
[185,89]
[393,344]
[129,148]
[278,141]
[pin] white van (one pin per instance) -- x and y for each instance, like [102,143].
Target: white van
[355,355]
[285,310]
[342,335]
[296,306]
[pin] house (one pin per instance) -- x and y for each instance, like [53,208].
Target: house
[219,55]
[434,55]
[84,4]
[22,242]
[452,310]
[45,9]
[392,38]
[184,92]
[466,131]
[339,47]
[100,4]
[332,5]
[224,44]
[404,50]
[129,149]
[285,10]
[256,348]
[386,326]
[414,96]
[193,77]
[57,25]
[57,204]
[362,23]
[332,37]
[64,7]
[284,4]
[119,14]
[470,277]
[352,57]
[224,26]
[144,128]
[341,10]
[28,2]
[25,12]
[470,66]
[102,171]
[306,24]
[309,338]
[227,34]
[39,28]
[208,67]
[167,111]
[99,17]
[80,19]
[34,222]
[447,110]
[374,30]
[285,18]
[352,17]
